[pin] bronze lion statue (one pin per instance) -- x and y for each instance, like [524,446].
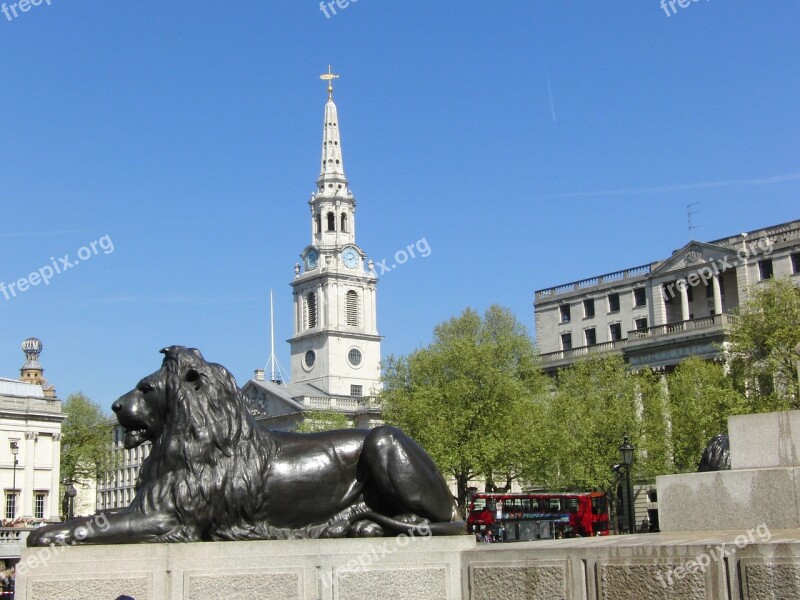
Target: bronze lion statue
[215,474]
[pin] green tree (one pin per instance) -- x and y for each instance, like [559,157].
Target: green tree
[763,342]
[701,398]
[85,439]
[594,405]
[323,420]
[471,398]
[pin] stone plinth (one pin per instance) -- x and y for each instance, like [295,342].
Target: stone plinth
[762,487]
[357,569]
[729,500]
[693,566]
[764,441]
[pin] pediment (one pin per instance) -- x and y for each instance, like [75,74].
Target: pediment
[691,256]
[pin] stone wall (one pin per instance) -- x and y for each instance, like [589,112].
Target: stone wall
[703,566]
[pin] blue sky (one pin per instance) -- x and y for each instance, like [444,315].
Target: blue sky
[530,143]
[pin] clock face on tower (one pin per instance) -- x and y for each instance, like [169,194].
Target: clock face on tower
[311,260]
[350,257]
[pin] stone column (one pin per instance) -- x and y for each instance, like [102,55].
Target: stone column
[52,510]
[717,295]
[658,304]
[26,489]
[684,301]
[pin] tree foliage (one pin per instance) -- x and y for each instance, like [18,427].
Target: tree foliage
[86,439]
[597,401]
[471,398]
[701,398]
[763,343]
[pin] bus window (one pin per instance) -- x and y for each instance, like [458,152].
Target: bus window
[572,504]
[555,505]
[599,505]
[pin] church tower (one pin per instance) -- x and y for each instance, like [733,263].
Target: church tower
[336,346]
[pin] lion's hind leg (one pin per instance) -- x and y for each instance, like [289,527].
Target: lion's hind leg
[402,480]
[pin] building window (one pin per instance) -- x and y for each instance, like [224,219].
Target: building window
[351,306]
[39,499]
[354,357]
[343,226]
[765,269]
[564,308]
[331,222]
[309,359]
[613,303]
[566,341]
[317,223]
[356,391]
[588,308]
[11,504]
[591,336]
[615,331]
[796,263]
[639,297]
[311,310]
[641,324]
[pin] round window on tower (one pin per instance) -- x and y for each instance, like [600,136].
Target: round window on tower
[354,357]
[309,359]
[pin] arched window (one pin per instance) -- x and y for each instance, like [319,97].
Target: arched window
[331,222]
[351,306]
[311,310]
[343,227]
[317,223]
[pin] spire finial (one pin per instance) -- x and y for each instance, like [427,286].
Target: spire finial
[329,77]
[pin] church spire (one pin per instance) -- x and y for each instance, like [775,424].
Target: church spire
[331,177]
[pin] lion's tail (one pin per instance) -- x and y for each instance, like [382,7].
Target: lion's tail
[421,529]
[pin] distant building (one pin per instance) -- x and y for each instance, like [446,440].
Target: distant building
[30,450]
[30,441]
[660,313]
[117,487]
[336,348]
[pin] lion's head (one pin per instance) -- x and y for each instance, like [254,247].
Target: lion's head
[186,396]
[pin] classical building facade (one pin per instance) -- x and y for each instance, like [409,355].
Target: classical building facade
[660,313]
[30,441]
[336,347]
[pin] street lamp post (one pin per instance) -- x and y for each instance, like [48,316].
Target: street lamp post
[626,456]
[70,492]
[14,453]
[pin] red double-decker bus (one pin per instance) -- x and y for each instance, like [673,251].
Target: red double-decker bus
[542,515]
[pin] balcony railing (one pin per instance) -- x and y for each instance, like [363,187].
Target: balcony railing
[573,353]
[575,286]
[340,402]
[723,320]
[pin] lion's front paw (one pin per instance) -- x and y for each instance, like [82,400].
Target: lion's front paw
[59,534]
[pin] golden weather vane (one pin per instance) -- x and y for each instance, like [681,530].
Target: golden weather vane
[329,77]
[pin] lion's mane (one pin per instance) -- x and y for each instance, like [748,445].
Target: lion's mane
[205,465]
